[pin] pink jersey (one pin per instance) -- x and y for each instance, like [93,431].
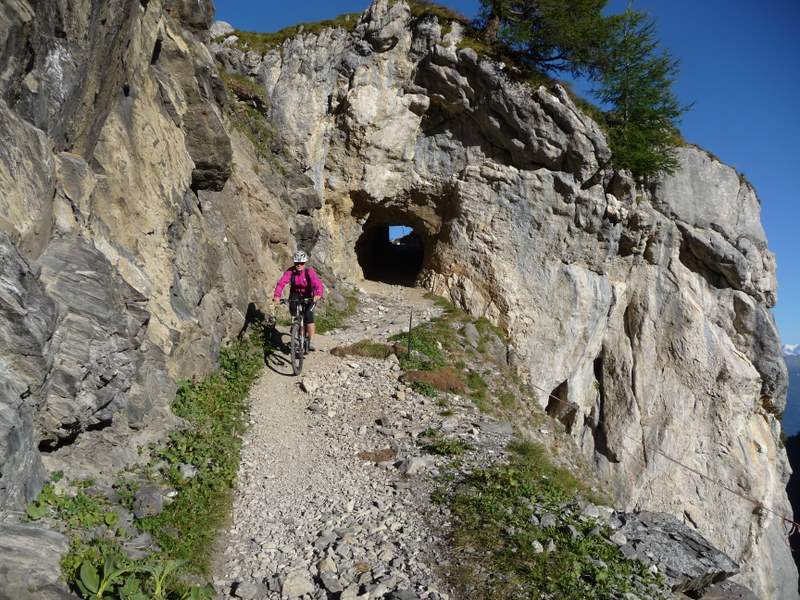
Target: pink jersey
[301,287]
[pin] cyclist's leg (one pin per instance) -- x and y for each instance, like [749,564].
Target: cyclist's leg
[310,327]
[296,312]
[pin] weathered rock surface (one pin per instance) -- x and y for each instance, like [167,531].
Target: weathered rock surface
[645,311]
[130,249]
[687,562]
[30,567]
[137,223]
[97,339]
[28,316]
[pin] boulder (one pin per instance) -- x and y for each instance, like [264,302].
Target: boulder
[30,568]
[148,501]
[220,29]
[688,562]
[297,583]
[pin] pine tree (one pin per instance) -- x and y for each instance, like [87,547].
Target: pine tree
[552,35]
[635,79]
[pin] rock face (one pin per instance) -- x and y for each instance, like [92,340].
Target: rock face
[683,557]
[129,250]
[30,569]
[646,312]
[28,318]
[137,223]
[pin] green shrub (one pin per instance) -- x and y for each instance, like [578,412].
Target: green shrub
[334,318]
[81,511]
[426,389]
[215,411]
[494,538]
[447,447]
[263,42]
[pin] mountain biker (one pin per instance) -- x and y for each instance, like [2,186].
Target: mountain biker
[303,284]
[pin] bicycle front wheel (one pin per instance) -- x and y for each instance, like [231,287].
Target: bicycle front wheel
[296,347]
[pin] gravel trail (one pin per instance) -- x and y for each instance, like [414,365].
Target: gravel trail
[333,491]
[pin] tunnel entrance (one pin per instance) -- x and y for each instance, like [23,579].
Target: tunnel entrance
[390,253]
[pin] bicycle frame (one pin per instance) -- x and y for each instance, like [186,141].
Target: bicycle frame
[298,341]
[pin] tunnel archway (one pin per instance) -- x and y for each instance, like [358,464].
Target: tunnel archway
[390,253]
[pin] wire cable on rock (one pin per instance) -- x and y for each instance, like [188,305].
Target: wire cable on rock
[794,526]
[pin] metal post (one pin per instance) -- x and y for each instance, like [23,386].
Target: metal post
[410,318]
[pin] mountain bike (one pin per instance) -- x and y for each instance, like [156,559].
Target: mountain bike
[298,341]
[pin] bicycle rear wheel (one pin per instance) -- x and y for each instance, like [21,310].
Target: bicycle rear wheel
[296,347]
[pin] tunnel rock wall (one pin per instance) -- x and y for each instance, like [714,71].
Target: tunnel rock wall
[646,311]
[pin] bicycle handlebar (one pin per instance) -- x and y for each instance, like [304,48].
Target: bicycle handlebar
[300,300]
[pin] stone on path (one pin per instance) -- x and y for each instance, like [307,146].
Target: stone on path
[297,583]
[415,465]
[331,583]
[250,591]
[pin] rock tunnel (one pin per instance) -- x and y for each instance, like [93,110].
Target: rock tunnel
[390,253]
[399,237]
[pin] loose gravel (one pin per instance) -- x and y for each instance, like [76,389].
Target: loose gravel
[333,495]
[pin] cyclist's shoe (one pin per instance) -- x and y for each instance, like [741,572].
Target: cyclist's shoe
[311,347]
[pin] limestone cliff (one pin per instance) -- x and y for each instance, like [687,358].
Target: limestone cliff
[135,227]
[647,312]
[137,223]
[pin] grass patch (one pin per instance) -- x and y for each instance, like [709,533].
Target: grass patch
[426,389]
[365,348]
[432,340]
[421,9]
[245,89]
[476,382]
[496,541]
[248,113]
[215,411]
[447,447]
[478,389]
[334,318]
[443,379]
[426,347]
[262,42]
[507,399]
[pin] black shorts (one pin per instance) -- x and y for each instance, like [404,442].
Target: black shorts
[308,310]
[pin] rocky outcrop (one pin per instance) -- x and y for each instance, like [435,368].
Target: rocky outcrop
[685,560]
[28,318]
[130,246]
[645,311]
[30,566]
[97,341]
[137,222]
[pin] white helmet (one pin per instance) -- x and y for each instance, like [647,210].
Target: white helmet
[300,257]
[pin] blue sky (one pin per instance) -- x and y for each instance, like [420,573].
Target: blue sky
[739,65]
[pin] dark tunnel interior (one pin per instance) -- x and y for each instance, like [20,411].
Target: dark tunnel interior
[397,261]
